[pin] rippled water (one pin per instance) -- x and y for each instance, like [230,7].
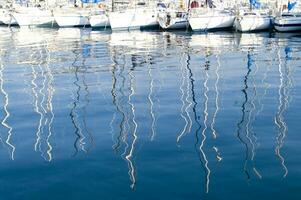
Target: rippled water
[149,115]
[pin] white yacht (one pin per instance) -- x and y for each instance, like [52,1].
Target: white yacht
[288,22]
[208,17]
[173,16]
[71,16]
[288,19]
[6,16]
[99,20]
[136,16]
[253,20]
[33,16]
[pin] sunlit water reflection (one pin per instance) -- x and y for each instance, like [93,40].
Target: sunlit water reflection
[149,115]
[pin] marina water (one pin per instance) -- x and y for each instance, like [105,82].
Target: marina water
[149,115]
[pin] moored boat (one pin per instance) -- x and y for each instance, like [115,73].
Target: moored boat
[6,16]
[33,16]
[99,20]
[288,22]
[208,17]
[136,16]
[288,19]
[173,17]
[71,16]
[252,21]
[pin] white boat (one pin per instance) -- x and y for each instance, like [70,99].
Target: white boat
[288,18]
[173,20]
[6,17]
[33,16]
[72,16]
[288,22]
[208,18]
[173,16]
[138,16]
[252,21]
[99,20]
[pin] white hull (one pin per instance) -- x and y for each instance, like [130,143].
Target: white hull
[252,23]
[32,16]
[72,18]
[100,20]
[133,19]
[6,18]
[287,23]
[170,23]
[211,20]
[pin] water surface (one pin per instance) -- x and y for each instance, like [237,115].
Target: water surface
[149,115]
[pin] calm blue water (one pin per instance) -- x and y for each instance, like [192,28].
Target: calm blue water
[149,115]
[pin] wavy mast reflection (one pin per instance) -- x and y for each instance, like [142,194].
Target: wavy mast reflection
[4,121]
[185,102]
[245,133]
[199,148]
[150,98]
[205,114]
[216,104]
[129,156]
[283,100]
[240,125]
[78,111]
[43,92]
[117,103]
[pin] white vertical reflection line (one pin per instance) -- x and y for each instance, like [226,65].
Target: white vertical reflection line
[183,116]
[129,156]
[36,106]
[212,126]
[279,120]
[214,133]
[150,94]
[51,90]
[204,132]
[7,114]
[189,103]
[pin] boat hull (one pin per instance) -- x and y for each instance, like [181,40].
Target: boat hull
[252,23]
[72,17]
[99,21]
[208,22]
[172,23]
[6,18]
[133,19]
[34,17]
[287,24]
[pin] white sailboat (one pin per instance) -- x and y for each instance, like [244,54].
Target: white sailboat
[287,20]
[71,16]
[174,16]
[6,14]
[99,19]
[137,15]
[207,16]
[253,19]
[33,16]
